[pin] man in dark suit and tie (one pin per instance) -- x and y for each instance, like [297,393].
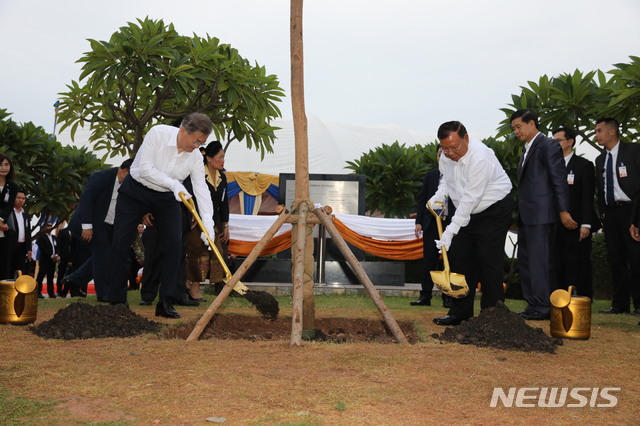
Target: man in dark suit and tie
[19,223]
[47,259]
[543,199]
[573,246]
[92,222]
[618,180]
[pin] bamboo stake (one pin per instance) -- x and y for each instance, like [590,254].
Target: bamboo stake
[362,275]
[298,276]
[224,293]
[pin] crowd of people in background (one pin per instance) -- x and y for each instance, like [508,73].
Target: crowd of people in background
[130,229]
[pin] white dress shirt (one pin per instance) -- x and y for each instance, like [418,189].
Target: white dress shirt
[475,182]
[158,165]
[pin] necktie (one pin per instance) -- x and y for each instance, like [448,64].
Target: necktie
[609,180]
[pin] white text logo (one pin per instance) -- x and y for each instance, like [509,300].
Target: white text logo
[555,397]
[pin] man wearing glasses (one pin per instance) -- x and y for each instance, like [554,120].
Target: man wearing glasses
[480,190]
[167,156]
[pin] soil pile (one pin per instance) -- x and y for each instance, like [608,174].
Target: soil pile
[264,302]
[498,327]
[335,330]
[84,321]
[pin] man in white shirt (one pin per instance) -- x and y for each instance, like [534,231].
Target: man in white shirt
[167,156]
[480,190]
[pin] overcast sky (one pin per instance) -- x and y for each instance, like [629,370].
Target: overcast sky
[410,63]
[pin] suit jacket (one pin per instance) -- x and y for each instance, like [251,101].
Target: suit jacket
[45,249]
[13,229]
[581,179]
[629,157]
[542,190]
[7,198]
[94,201]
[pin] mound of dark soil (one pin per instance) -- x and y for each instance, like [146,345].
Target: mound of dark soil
[84,321]
[498,327]
[335,330]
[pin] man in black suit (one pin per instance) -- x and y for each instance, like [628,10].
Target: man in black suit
[47,259]
[92,222]
[19,223]
[618,179]
[543,199]
[573,246]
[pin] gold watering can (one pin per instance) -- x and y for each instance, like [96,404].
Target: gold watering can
[570,315]
[18,300]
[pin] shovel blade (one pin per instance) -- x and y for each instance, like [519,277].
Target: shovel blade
[450,283]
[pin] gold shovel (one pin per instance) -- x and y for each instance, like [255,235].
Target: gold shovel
[239,287]
[449,283]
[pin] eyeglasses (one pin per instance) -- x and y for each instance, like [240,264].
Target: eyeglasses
[453,148]
[198,143]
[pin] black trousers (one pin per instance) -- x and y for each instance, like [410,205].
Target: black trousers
[19,258]
[573,261]
[431,259]
[624,256]
[134,201]
[478,253]
[47,268]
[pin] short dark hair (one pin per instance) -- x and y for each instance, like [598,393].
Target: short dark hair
[197,122]
[212,149]
[611,122]
[445,129]
[526,115]
[126,164]
[569,133]
[11,173]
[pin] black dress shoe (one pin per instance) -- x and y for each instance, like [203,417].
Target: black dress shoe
[145,303]
[73,288]
[197,299]
[125,303]
[422,301]
[613,310]
[53,296]
[448,320]
[165,309]
[535,316]
[40,296]
[184,301]
[636,312]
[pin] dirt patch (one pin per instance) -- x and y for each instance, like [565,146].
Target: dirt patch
[83,321]
[498,327]
[334,330]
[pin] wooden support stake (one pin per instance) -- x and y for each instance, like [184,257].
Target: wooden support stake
[362,276]
[298,276]
[224,293]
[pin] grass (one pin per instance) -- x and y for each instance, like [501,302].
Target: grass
[19,411]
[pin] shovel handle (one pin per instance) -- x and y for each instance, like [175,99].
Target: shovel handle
[438,216]
[240,287]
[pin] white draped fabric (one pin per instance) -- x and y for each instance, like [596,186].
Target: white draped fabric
[253,228]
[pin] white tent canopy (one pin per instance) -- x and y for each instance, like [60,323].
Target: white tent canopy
[331,145]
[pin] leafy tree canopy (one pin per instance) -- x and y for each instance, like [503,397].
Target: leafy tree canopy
[51,175]
[394,175]
[147,74]
[577,100]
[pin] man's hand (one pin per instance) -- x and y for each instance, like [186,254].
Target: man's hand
[147,219]
[87,235]
[445,240]
[567,220]
[177,189]
[224,234]
[418,230]
[584,233]
[635,232]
